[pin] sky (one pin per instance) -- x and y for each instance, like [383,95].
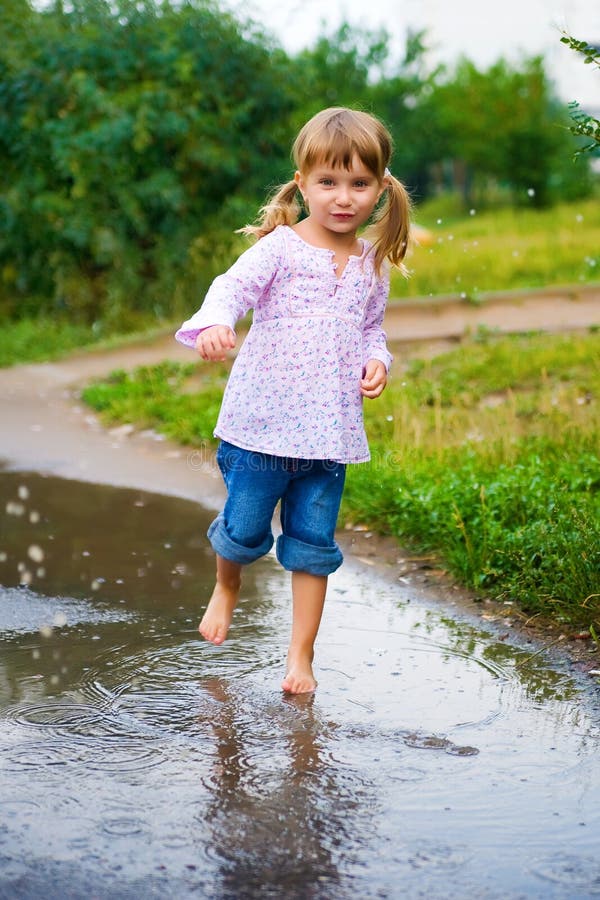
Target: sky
[482,30]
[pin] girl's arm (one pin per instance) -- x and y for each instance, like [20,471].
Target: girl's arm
[231,296]
[374,338]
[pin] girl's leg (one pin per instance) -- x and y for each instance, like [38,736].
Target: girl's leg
[307,548]
[242,532]
[308,595]
[217,618]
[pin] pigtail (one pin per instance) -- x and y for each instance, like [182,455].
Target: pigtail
[281,209]
[389,232]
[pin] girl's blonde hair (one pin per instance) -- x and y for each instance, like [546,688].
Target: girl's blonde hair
[334,137]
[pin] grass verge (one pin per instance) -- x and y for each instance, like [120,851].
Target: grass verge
[504,249]
[487,455]
[43,338]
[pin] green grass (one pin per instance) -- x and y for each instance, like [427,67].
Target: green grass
[505,249]
[487,455]
[168,397]
[43,338]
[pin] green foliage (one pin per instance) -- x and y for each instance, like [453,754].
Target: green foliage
[585,126]
[45,338]
[120,143]
[40,339]
[503,125]
[136,136]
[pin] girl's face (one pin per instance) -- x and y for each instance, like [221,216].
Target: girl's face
[340,200]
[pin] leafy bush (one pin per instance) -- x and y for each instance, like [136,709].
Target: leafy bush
[120,144]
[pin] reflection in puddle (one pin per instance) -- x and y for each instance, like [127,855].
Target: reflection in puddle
[137,759]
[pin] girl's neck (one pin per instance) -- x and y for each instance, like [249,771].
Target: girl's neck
[344,245]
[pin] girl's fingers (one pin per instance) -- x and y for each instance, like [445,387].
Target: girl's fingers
[212,343]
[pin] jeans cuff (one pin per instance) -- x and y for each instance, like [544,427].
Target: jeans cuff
[296,556]
[230,549]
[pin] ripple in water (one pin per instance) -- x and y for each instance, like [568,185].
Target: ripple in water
[578,872]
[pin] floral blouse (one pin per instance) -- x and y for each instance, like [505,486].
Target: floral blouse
[294,387]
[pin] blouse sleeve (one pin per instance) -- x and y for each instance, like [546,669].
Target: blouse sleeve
[374,337]
[235,292]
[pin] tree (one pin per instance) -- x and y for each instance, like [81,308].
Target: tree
[126,129]
[355,68]
[504,125]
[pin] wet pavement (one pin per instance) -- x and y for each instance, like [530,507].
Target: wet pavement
[435,759]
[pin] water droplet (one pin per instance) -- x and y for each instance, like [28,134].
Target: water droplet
[60,619]
[439,221]
[34,517]
[531,192]
[14,509]
[471,212]
[23,492]
[35,553]
[46,631]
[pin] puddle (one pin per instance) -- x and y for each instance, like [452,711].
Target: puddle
[137,760]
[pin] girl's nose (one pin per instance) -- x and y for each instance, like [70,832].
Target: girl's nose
[343,196]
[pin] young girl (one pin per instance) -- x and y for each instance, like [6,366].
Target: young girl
[291,417]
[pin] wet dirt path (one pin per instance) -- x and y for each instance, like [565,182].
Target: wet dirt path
[437,758]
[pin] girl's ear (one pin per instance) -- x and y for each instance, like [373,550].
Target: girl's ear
[385,184]
[300,183]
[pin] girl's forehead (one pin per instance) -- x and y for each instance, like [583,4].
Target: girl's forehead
[353,165]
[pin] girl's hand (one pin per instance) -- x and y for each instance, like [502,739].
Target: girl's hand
[214,342]
[374,379]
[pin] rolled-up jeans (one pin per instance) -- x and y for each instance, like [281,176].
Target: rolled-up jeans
[310,491]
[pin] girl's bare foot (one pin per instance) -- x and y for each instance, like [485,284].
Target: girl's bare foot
[299,678]
[219,612]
